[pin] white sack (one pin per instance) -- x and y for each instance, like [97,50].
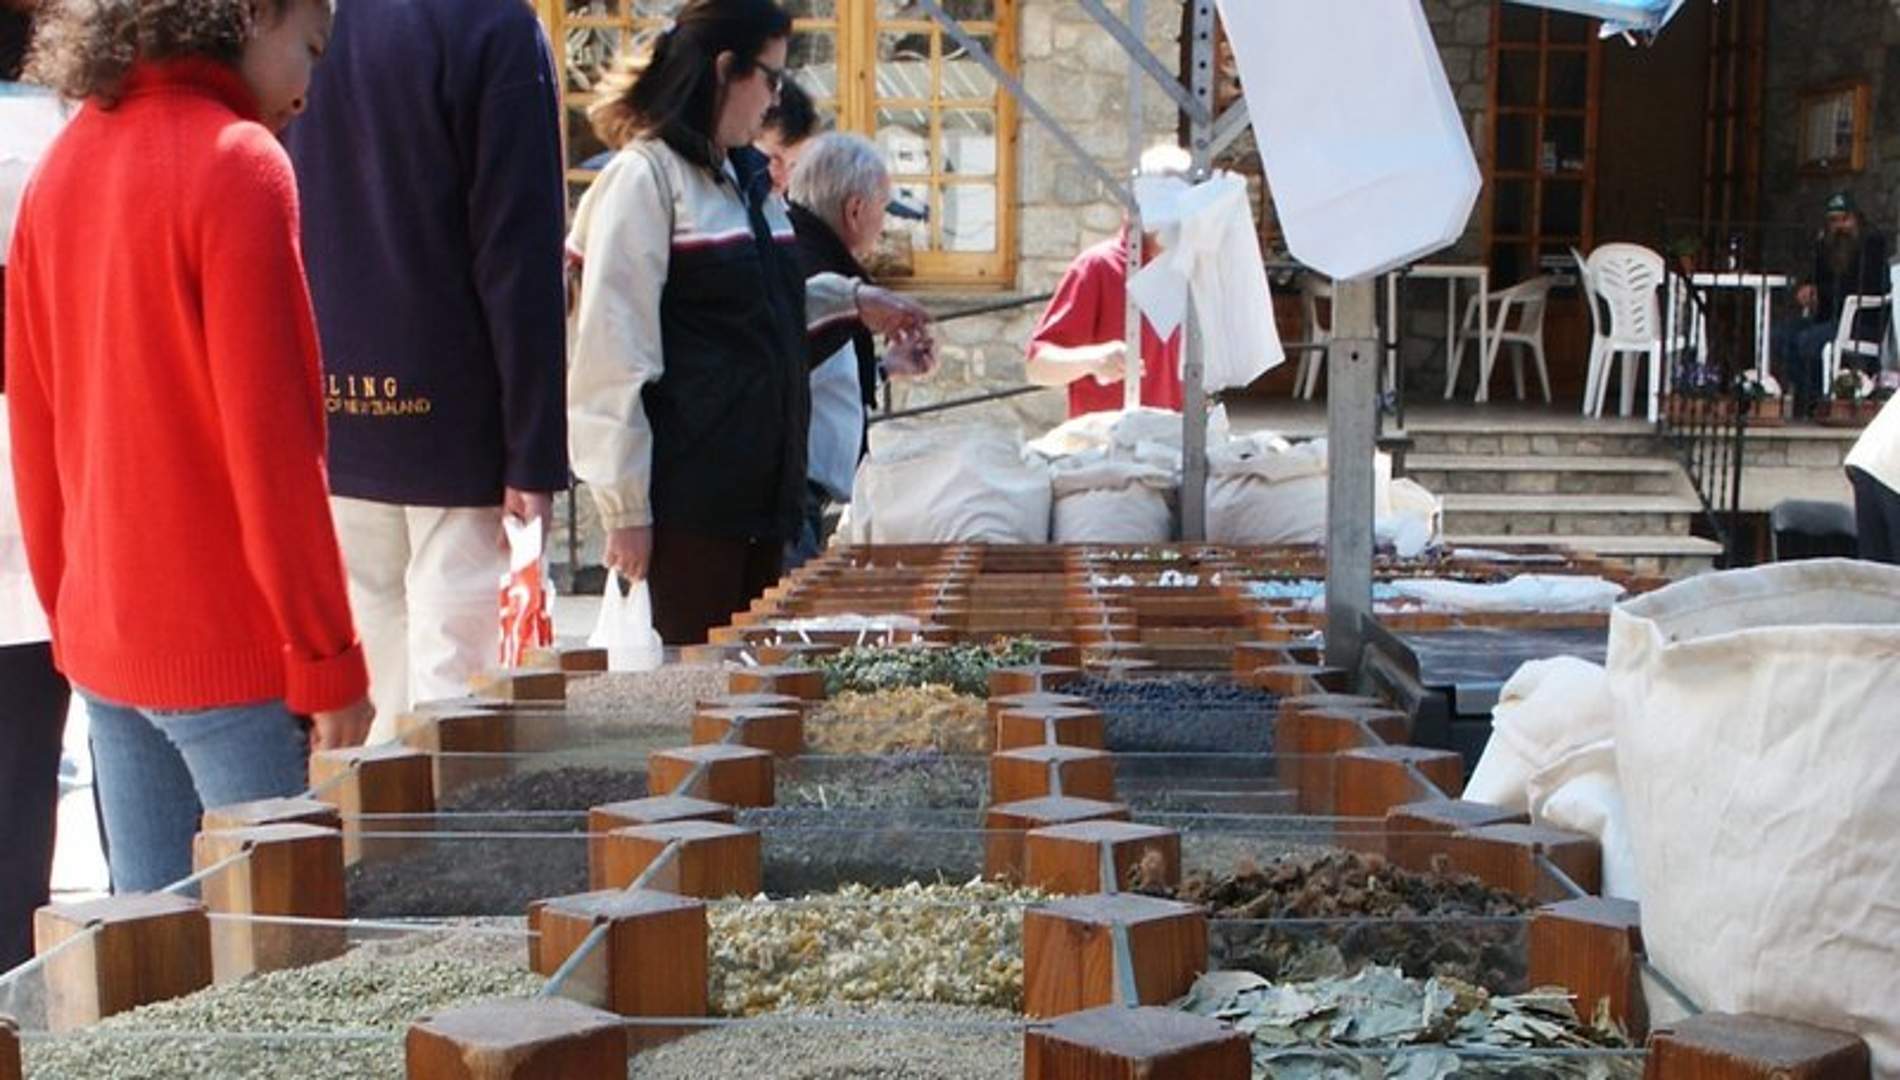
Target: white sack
[1755,716]
[1112,502]
[1557,594]
[949,484]
[1262,491]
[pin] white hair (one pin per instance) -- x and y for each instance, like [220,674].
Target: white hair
[832,168]
[1165,159]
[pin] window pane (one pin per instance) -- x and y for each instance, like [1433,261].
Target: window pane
[1516,23]
[903,66]
[1563,209]
[1563,144]
[961,10]
[653,9]
[810,9]
[909,221]
[969,142]
[1569,80]
[1517,78]
[1511,207]
[1571,29]
[1517,136]
[969,217]
[813,61]
[904,136]
[1510,262]
[590,52]
[964,79]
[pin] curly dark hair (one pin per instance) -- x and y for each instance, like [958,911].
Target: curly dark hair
[85,48]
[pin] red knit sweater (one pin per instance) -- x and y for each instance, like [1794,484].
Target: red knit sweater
[162,377]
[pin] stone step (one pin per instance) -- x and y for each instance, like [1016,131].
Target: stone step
[1555,439]
[1461,474]
[1667,556]
[1570,515]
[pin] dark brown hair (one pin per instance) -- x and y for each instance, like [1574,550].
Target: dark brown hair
[670,90]
[85,48]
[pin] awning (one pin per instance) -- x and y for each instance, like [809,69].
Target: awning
[1619,16]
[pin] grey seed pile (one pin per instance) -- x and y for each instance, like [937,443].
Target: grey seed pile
[664,696]
[889,1042]
[341,1018]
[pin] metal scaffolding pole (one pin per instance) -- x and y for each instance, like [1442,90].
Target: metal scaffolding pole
[1352,419]
[1200,75]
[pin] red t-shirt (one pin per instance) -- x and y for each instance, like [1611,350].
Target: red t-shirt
[1088,309]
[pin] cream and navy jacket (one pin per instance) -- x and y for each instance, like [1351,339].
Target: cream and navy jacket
[688,404]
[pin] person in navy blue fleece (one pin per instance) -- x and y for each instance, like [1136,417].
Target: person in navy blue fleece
[429,165]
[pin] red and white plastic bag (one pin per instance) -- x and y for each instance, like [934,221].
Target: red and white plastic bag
[527,600]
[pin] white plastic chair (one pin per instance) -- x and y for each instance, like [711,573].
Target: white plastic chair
[1313,289]
[1626,277]
[1845,343]
[1526,302]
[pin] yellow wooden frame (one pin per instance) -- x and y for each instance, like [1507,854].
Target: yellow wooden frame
[1819,104]
[855,28]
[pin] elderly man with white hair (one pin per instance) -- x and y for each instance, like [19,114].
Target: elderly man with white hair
[838,193]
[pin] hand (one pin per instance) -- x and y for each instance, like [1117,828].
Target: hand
[1805,297]
[527,506]
[340,729]
[885,312]
[1108,362]
[911,355]
[628,551]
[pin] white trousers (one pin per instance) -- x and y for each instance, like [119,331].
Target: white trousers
[425,589]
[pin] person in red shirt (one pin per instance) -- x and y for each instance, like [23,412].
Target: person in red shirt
[1081,341]
[168,433]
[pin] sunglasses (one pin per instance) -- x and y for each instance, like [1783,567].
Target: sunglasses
[774,76]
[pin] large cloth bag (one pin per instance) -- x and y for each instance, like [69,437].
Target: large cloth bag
[1756,714]
[949,484]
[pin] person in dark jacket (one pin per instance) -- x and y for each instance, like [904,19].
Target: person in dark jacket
[687,394]
[429,166]
[789,126]
[1850,259]
[839,192]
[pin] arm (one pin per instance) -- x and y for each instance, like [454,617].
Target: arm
[261,345]
[1061,349]
[626,235]
[30,416]
[516,212]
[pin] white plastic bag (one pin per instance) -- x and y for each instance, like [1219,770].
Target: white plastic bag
[1364,146]
[625,627]
[1755,714]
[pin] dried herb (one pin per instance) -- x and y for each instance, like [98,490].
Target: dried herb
[900,719]
[963,668]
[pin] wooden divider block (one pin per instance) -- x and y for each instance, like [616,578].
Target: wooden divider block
[386,779]
[1292,680]
[711,655]
[653,960]
[1030,678]
[138,948]
[1304,703]
[712,859]
[572,659]
[1118,1043]
[447,736]
[1253,655]
[1593,947]
[294,870]
[1062,654]
[781,652]
[1369,781]
[536,1039]
[754,701]
[781,731]
[1506,856]
[655,810]
[806,684]
[1017,728]
[10,1066]
[1419,834]
[1005,824]
[1722,1046]
[1390,726]
[1069,952]
[726,635]
[1040,699]
[1100,857]
[1089,634]
[294,811]
[1033,772]
[735,775]
[522,684]
[1306,748]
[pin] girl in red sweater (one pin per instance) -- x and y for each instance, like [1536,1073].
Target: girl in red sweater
[162,380]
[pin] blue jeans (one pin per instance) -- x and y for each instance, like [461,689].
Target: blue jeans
[157,770]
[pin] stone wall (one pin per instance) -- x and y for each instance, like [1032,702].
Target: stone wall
[1813,42]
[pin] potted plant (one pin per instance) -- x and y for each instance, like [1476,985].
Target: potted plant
[1762,396]
[1842,408]
[1876,398]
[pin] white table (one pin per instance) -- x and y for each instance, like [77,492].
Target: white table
[1763,286]
[1451,274]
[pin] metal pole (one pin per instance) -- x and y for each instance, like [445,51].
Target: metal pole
[1131,242]
[1200,78]
[1352,417]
